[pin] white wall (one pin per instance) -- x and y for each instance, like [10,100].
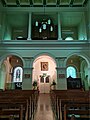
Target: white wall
[51,68]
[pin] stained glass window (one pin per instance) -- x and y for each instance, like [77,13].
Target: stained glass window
[17,76]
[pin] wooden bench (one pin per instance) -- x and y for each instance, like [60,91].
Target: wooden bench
[77,108]
[22,101]
[60,98]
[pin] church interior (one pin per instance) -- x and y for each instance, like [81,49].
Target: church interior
[44,59]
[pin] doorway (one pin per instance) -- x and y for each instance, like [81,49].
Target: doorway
[44,84]
[44,72]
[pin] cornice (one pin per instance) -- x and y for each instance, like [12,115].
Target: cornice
[54,44]
[47,9]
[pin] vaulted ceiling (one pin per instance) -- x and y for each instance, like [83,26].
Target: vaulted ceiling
[46,3]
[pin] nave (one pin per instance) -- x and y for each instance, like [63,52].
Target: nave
[56,105]
[44,109]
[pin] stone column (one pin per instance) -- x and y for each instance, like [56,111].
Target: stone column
[4,24]
[88,78]
[29,27]
[59,27]
[61,74]
[2,76]
[89,32]
[27,74]
[88,12]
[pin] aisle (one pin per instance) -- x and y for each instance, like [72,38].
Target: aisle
[44,110]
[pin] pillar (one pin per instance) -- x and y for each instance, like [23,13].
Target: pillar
[0,76]
[27,74]
[59,27]
[29,27]
[4,26]
[61,74]
[88,78]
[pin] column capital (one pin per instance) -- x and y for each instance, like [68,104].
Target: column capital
[28,62]
[60,58]
[60,68]
[27,58]
[29,68]
[60,62]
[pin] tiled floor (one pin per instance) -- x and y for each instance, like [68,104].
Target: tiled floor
[44,110]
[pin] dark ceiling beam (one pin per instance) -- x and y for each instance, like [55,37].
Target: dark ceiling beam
[71,2]
[31,2]
[85,2]
[18,3]
[44,3]
[58,3]
[3,3]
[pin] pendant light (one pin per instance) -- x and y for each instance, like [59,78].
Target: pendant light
[51,28]
[49,21]
[44,26]
[36,23]
[40,30]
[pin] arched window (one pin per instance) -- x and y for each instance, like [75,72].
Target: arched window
[71,71]
[68,38]
[17,76]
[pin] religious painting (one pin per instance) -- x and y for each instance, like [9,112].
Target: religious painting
[44,66]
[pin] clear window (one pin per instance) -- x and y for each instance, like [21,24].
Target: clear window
[71,71]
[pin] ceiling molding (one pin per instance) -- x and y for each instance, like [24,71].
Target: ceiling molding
[48,9]
[46,3]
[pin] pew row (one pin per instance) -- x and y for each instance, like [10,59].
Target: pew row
[61,98]
[22,102]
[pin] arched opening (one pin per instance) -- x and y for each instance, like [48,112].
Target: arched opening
[10,63]
[44,72]
[77,68]
[69,38]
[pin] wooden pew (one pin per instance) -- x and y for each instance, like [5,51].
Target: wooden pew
[25,99]
[12,111]
[77,108]
[61,97]
[12,106]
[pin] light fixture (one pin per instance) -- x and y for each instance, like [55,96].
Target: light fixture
[36,23]
[44,24]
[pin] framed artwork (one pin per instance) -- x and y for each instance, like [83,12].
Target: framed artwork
[26,75]
[44,66]
[61,75]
